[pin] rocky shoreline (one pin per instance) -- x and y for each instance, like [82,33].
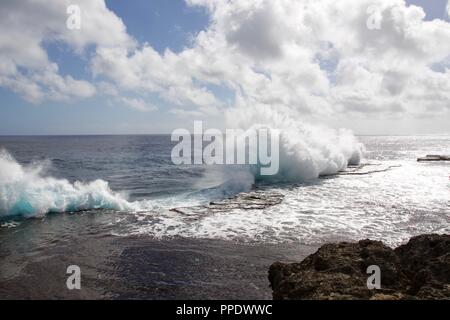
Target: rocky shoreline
[419,269]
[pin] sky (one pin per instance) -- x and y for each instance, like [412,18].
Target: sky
[139,66]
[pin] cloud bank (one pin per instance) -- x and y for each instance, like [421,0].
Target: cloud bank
[315,57]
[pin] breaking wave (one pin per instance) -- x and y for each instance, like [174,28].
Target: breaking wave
[305,151]
[25,191]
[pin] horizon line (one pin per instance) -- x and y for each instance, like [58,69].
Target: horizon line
[168,134]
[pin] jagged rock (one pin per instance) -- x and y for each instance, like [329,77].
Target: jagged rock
[426,262]
[419,269]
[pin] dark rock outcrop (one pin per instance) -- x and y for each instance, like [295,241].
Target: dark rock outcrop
[252,200]
[419,269]
[433,157]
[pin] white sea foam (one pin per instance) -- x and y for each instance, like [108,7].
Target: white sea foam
[26,191]
[390,205]
[306,151]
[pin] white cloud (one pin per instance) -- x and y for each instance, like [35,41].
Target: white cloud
[144,69]
[268,53]
[386,71]
[137,104]
[448,8]
[28,25]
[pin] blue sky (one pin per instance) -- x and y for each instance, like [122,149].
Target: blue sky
[163,24]
[160,23]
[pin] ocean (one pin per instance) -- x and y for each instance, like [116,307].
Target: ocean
[139,226]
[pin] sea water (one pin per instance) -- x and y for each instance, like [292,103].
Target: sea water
[63,196]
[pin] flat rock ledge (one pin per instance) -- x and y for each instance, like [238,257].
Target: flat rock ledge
[419,269]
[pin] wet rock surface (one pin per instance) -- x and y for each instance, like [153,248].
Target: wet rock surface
[366,169]
[433,157]
[419,269]
[253,200]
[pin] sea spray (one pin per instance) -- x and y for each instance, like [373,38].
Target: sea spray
[306,151]
[26,191]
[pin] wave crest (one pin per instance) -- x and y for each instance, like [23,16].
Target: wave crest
[25,191]
[306,151]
